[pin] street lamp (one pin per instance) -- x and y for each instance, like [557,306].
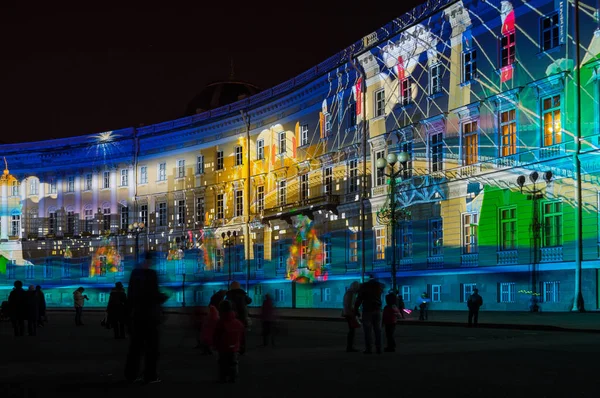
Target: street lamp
[227,244]
[535,194]
[390,213]
[136,229]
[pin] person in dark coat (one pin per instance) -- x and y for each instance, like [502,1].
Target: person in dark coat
[215,299]
[115,309]
[41,305]
[33,313]
[239,300]
[229,333]
[267,316]
[473,303]
[17,308]
[144,313]
[369,297]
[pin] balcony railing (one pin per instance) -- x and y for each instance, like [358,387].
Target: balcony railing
[309,205]
[551,254]
[508,257]
[469,260]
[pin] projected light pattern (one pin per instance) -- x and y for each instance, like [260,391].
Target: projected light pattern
[305,262]
[106,259]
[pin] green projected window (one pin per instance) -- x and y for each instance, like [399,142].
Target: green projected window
[552,224]
[551,120]
[508,132]
[470,225]
[508,229]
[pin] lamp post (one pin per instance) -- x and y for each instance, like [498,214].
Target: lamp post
[227,244]
[535,194]
[390,214]
[136,229]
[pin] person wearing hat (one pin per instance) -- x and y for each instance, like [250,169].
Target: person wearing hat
[115,310]
[474,302]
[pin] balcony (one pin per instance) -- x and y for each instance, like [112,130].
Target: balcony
[305,207]
[469,260]
[508,257]
[551,254]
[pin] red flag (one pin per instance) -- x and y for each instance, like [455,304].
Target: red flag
[358,88]
[401,74]
[506,74]
[509,23]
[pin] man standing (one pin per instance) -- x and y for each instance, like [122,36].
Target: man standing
[144,311]
[474,302]
[369,297]
[78,300]
[17,308]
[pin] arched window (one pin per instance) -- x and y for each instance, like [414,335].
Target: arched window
[33,186]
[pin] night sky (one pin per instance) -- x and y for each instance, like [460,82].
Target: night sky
[95,68]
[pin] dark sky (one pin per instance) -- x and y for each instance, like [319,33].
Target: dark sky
[97,67]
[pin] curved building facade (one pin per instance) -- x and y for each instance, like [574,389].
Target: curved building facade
[281,191]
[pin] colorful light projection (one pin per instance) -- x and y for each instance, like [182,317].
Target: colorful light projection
[208,245]
[106,259]
[306,260]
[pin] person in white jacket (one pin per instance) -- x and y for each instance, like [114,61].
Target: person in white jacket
[350,314]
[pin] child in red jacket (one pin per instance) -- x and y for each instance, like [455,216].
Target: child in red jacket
[229,332]
[391,313]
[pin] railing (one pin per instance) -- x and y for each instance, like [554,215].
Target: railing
[469,260]
[435,262]
[552,151]
[300,205]
[507,257]
[406,264]
[551,254]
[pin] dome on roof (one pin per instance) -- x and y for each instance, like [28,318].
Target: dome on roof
[219,94]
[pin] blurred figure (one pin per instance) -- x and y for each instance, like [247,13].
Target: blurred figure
[351,315]
[391,313]
[41,306]
[474,303]
[424,307]
[229,334]
[117,302]
[144,312]
[215,299]
[239,300]
[78,300]
[208,328]
[369,297]
[267,316]
[17,308]
[32,311]
[400,303]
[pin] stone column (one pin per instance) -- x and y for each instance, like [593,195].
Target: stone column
[78,187]
[42,195]
[114,206]
[59,191]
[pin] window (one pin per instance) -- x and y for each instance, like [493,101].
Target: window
[220,160]
[435,79]
[260,198]
[102,298]
[282,139]
[549,30]
[467,291]
[551,120]
[260,149]
[200,210]
[88,182]
[436,293]
[124,177]
[15,225]
[106,179]
[552,223]
[15,188]
[279,295]
[353,175]
[200,164]
[353,247]
[89,220]
[124,218]
[406,239]
[181,212]
[239,155]
[407,147]
[380,244]
[162,214]
[550,292]
[436,146]
[144,214]
[405,92]
[162,172]
[508,229]
[106,218]
[179,297]
[70,222]
[281,256]
[469,238]
[33,187]
[328,180]
[303,252]
[180,168]
[470,142]
[238,257]
[219,260]
[304,187]
[327,251]
[436,234]
[144,175]
[379,173]
[379,103]
[469,66]
[325,294]
[52,222]
[71,184]
[259,256]
[351,115]
[304,134]
[239,203]
[507,292]
[220,206]
[327,121]
[282,194]
[29,272]
[508,49]
[48,270]
[508,133]
[406,294]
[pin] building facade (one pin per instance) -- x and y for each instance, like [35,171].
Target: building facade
[281,192]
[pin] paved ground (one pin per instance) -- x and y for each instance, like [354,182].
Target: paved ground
[310,360]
